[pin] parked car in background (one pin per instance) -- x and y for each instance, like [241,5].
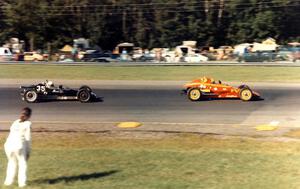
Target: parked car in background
[284,53]
[195,58]
[258,56]
[33,56]
[296,54]
[295,48]
[5,54]
[144,57]
[96,56]
[289,53]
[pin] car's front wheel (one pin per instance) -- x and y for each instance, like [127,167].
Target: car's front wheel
[194,94]
[84,95]
[246,94]
[31,96]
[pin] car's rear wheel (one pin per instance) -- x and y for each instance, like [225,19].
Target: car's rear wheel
[246,94]
[84,95]
[31,96]
[194,94]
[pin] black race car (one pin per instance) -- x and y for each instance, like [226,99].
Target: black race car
[47,91]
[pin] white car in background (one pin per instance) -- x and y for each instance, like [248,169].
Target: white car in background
[5,54]
[195,58]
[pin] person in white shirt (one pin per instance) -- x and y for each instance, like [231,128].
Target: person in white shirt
[17,148]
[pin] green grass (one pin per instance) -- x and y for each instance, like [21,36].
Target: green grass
[227,73]
[187,161]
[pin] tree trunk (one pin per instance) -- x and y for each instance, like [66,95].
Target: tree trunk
[31,43]
[124,25]
[220,13]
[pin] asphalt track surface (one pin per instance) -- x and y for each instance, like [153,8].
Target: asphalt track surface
[160,105]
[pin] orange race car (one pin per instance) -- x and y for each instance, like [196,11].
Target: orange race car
[206,87]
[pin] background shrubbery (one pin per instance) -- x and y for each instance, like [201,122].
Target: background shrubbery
[148,23]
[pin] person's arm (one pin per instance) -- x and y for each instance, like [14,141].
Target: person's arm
[28,140]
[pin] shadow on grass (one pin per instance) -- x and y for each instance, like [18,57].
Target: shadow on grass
[82,177]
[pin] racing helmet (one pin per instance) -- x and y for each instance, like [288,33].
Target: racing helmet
[49,84]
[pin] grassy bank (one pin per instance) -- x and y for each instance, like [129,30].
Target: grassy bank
[189,161]
[228,73]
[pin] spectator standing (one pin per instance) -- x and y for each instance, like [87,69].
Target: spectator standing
[17,148]
[74,53]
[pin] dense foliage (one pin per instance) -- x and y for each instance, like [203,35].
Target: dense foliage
[149,23]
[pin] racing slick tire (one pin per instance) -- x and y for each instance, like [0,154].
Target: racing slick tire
[244,86]
[85,87]
[194,94]
[31,96]
[84,95]
[246,94]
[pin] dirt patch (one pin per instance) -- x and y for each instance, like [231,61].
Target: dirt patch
[293,134]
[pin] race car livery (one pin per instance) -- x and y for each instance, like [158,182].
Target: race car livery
[48,91]
[206,87]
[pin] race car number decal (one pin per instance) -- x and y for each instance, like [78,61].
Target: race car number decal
[40,88]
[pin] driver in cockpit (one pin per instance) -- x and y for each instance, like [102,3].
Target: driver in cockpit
[49,84]
[217,82]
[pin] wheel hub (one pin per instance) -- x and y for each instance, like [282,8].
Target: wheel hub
[195,94]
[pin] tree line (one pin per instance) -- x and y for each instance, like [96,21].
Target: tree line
[149,23]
